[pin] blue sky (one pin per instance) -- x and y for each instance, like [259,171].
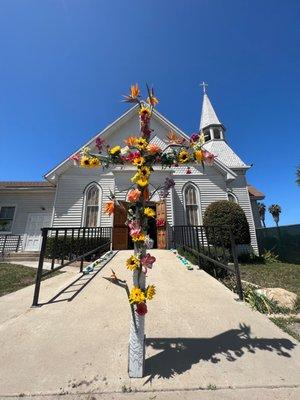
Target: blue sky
[65,64]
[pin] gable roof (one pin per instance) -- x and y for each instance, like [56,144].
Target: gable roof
[51,175]
[37,185]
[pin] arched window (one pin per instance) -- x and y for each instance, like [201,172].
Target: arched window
[191,202]
[92,195]
[232,198]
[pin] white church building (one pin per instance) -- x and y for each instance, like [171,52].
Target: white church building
[74,197]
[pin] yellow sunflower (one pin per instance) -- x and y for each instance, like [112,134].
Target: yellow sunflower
[150,292]
[141,144]
[136,295]
[145,111]
[132,263]
[94,162]
[136,177]
[85,161]
[115,150]
[144,171]
[138,161]
[183,157]
[142,182]
[138,238]
[149,212]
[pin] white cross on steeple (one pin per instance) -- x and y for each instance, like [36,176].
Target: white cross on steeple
[204,85]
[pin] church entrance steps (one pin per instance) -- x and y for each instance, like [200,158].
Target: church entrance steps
[198,336]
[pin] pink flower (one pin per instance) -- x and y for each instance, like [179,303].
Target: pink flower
[148,260]
[135,228]
[133,195]
[141,308]
[75,158]
[209,158]
[131,156]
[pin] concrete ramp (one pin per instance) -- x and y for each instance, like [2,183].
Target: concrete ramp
[198,336]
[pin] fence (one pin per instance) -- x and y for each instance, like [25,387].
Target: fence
[9,243]
[283,241]
[65,246]
[212,245]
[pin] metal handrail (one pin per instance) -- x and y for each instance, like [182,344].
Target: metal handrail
[202,240]
[89,236]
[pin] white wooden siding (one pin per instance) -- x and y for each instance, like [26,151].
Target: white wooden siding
[26,203]
[239,188]
[68,207]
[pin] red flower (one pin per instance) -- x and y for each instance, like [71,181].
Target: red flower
[141,308]
[160,222]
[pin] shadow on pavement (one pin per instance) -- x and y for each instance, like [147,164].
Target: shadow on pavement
[179,354]
[74,288]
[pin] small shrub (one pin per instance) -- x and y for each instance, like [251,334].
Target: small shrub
[269,257]
[225,213]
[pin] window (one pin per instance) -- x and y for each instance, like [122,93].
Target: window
[232,198]
[207,136]
[92,206]
[217,133]
[6,218]
[191,205]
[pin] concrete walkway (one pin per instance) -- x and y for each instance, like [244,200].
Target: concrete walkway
[199,337]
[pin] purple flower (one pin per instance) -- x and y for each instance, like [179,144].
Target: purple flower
[99,142]
[169,183]
[194,137]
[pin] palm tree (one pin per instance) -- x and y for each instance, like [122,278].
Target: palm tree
[298,175]
[262,212]
[275,210]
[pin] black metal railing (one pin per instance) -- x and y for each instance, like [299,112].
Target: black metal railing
[9,243]
[65,246]
[213,244]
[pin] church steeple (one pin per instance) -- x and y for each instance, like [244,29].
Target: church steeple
[209,123]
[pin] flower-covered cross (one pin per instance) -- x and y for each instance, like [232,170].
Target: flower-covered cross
[142,154]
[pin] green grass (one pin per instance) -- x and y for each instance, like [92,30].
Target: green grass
[14,277]
[276,274]
[288,325]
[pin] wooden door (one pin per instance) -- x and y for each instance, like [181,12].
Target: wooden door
[120,230]
[161,215]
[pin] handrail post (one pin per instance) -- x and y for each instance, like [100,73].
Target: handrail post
[83,241]
[40,268]
[236,266]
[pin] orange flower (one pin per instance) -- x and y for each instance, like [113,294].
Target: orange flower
[130,141]
[134,91]
[109,208]
[199,155]
[133,195]
[152,101]
[154,149]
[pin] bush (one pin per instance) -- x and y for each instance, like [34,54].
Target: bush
[227,214]
[66,247]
